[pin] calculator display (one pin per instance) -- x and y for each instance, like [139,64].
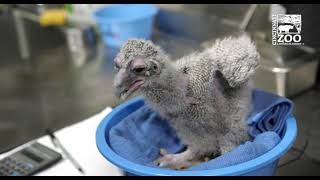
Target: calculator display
[32,156]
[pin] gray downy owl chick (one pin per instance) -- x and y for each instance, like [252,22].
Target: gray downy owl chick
[205,96]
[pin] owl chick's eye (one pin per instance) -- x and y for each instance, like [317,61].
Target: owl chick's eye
[155,67]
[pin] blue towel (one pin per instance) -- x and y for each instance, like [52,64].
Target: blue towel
[139,137]
[269,113]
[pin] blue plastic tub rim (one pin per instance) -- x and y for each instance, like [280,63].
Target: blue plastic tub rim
[152,11]
[243,168]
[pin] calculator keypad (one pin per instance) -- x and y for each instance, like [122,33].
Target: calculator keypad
[12,167]
[29,161]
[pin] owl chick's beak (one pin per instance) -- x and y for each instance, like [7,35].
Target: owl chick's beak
[127,83]
[125,91]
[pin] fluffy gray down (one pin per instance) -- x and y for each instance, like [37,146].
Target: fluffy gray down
[205,96]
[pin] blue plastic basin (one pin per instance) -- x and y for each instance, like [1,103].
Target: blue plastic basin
[265,165]
[118,23]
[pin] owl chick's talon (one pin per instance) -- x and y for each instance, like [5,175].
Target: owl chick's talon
[162,164]
[173,161]
[163,152]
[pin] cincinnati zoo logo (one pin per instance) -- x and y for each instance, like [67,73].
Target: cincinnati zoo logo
[286,29]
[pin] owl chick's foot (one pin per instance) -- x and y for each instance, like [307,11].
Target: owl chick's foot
[175,161]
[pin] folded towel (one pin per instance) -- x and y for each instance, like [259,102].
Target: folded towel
[246,152]
[139,137]
[269,113]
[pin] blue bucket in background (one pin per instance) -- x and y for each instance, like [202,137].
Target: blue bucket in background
[265,165]
[118,23]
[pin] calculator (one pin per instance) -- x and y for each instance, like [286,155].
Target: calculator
[28,161]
